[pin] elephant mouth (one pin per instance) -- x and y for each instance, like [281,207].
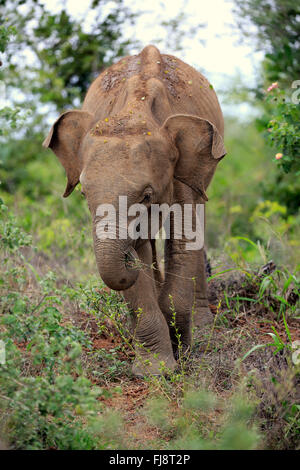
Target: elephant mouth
[130,258]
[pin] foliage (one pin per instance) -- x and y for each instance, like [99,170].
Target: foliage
[275,26]
[66,58]
[5,34]
[42,384]
[8,117]
[284,132]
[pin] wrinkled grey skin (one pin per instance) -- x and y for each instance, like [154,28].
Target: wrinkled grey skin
[151,129]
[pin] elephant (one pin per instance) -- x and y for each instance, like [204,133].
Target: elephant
[151,129]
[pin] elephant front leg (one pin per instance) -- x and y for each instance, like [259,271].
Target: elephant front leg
[151,333]
[183,297]
[202,313]
[178,295]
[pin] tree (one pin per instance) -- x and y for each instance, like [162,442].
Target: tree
[64,58]
[8,116]
[275,27]
[50,59]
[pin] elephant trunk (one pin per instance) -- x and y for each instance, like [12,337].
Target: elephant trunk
[116,260]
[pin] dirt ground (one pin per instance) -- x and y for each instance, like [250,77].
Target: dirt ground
[213,359]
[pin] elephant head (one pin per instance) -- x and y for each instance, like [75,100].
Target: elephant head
[138,159]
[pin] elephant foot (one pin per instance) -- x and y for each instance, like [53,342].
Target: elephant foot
[203,316]
[153,364]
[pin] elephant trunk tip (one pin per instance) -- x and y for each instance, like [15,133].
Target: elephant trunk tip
[121,283]
[121,272]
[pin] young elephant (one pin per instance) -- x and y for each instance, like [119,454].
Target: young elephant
[150,129]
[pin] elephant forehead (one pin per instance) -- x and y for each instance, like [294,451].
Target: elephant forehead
[128,150]
[116,175]
[126,165]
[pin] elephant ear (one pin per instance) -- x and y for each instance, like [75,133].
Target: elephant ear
[200,147]
[64,139]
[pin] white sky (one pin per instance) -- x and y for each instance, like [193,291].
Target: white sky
[223,53]
[221,57]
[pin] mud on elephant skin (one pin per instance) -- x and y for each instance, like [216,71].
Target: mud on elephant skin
[150,129]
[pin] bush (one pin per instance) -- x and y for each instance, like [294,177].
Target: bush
[44,392]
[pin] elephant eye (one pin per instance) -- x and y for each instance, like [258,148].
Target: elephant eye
[147,197]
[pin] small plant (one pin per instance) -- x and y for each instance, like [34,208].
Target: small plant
[284,130]
[6,32]
[277,342]
[44,392]
[189,426]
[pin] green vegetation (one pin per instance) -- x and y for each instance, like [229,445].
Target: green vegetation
[66,382]
[275,27]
